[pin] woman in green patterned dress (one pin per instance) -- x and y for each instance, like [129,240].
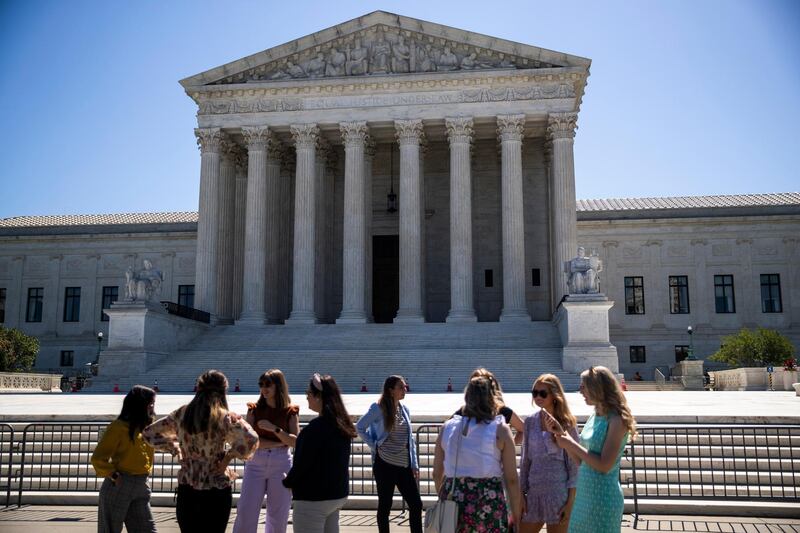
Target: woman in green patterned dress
[598,501]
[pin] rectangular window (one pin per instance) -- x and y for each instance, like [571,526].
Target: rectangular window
[186,295]
[536,277]
[634,295]
[67,358]
[724,299]
[681,352]
[72,304]
[34,311]
[679,295]
[637,354]
[110,295]
[488,278]
[2,305]
[771,293]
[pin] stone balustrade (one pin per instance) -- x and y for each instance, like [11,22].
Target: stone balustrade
[29,382]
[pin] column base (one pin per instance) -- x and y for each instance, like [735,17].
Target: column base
[461,316]
[251,318]
[301,318]
[409,316]
[514,315]
[352,317]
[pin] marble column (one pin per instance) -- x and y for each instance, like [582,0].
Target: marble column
[255,251]
[225,233]
[286,231]
[273,236]
[305,139]
[321,225]
[409,134]
[459,133]
[510,129]
[369,155]
[561,131]
[205,294]
[239,227]
[423,150]
[354,135]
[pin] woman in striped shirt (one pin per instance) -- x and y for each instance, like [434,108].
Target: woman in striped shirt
[386,428]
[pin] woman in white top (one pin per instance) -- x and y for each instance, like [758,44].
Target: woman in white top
[474,457]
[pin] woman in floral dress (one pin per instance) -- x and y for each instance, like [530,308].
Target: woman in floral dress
[474,458]
[599,501]
[206,437]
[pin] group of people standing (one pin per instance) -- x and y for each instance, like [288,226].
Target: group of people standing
[566,481]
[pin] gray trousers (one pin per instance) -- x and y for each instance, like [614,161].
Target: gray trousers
[128,503]
[317,517]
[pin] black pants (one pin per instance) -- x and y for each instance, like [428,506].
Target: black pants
[205,511]
[387,477]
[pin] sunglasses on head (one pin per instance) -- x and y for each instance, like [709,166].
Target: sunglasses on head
[540,393]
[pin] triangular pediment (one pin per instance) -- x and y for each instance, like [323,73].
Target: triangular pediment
[382,43]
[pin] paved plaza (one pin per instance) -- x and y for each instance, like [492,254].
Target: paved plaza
[674,407]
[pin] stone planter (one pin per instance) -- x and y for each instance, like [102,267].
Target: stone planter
[796,389]
[789,378]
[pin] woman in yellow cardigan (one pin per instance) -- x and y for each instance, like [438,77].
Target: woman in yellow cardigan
[125,461]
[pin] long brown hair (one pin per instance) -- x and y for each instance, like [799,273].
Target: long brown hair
[325,388]
[497,390]
[136,409]
[480,402]
[387,402]
[278,380]
[601,386]
[561,410]
[209,404]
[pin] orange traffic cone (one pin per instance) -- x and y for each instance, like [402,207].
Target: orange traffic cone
[623,384]
[116,387]
[236,388]
[363,385]
[155,385]
[449,385]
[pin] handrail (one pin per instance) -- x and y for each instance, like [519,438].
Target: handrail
[661,380]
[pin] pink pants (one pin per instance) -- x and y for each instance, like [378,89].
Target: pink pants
[263,474]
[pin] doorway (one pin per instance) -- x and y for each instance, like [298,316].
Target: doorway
[385,277]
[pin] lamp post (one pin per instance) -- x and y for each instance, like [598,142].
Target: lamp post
[691,356]
[97,358]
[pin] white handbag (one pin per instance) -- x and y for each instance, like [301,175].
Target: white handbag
[443,516]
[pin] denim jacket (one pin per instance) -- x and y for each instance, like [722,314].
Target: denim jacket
[372,431]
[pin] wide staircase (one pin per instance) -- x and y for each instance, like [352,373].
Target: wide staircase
[427,355]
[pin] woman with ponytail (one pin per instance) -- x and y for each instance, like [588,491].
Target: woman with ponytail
[598,502]
[319,474]
[386,428]
[206,437]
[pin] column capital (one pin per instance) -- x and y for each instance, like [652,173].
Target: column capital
[459,129]
[256,137]
[354,133]
[562,125]
[304,135]
[409,131]
[510,127]
[209,139]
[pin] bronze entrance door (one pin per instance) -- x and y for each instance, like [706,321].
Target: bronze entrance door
[385,277]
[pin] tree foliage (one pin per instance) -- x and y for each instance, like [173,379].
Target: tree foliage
[754,348]
[17,350]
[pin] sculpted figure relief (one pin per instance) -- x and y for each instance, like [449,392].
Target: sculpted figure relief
[424,61]
[336,61]
[316,67]
[583,273]
[144,285]
[295,71]
[447,60]
[401,56]
[356,60]
[379,57]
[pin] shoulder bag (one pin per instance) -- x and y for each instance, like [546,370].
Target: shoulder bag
[443,516]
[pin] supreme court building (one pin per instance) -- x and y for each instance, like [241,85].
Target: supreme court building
[396,195]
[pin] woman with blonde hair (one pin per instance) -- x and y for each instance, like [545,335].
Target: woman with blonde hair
[475,456]
[599,501]
[547,473]
[275,420]
[206,437]
[511,418]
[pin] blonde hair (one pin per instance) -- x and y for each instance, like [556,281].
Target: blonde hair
[601,386]
[561,410]
[497,390]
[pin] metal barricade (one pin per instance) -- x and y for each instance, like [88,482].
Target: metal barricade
[7,446]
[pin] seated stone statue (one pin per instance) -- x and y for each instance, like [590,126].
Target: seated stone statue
[144,285]
[583,273]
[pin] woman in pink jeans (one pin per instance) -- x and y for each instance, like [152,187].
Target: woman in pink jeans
[275,420]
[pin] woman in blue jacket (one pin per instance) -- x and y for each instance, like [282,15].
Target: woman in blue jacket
[386,428]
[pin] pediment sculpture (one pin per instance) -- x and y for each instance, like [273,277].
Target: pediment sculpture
[143,285]
[383,50]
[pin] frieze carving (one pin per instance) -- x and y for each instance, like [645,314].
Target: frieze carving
[382,50]
[697,242]
[223,106]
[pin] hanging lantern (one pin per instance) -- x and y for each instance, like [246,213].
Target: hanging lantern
[391,198]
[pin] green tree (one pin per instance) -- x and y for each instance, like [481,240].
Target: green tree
[17,350]
[754,348]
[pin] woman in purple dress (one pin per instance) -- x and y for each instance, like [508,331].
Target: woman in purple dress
[547,474]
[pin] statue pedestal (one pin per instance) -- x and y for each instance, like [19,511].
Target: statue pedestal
[582,322]
[691,374]
[140,335]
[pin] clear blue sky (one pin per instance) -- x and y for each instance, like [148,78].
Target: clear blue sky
[684,98]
